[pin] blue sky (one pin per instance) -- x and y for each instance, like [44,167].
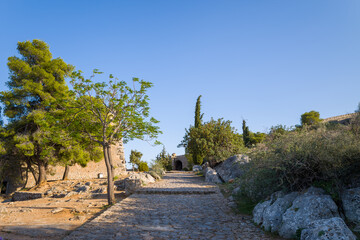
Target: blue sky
[265,61]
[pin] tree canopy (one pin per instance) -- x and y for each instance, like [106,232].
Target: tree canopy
[35,106]
[135,158]
[310,118]
[109,111]
[215,140]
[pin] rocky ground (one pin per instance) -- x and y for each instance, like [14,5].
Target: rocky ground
[66,206]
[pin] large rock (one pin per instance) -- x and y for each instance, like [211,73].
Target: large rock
[196,168]
[258,211]
[131,185]
[327,229]
[231,168]
[351,205]
[136,180]
[211,176]
[311,206]
[272,215]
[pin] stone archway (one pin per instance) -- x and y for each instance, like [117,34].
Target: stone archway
[178,165]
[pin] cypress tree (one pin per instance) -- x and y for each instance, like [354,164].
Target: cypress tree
[246,134]
[198,117]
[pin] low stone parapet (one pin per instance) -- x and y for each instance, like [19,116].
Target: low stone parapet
[24,196]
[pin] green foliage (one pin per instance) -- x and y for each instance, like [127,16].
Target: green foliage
[157,167]
[196,157]
[331,187]
[135,158]
[143,167]
[251,139]
[277,131]
[108,112]
[323,157]
[244,204]
[310,118]
[164,159]
[198,115]
[37,133]
[215,140]
[257,137]
[246,135]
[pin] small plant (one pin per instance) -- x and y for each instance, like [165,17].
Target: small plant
[321,233]
[244,204]
[143,167]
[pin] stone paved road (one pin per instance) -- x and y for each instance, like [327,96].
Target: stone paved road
[181,206]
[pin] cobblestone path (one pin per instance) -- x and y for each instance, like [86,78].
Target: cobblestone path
[181,206]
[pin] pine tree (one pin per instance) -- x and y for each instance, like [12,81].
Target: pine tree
[35,106]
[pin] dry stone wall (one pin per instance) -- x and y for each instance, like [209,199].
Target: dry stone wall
[92,170]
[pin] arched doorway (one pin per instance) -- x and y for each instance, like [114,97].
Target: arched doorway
[178,165]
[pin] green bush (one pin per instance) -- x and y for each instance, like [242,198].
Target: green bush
[325,156]
[158,168]
[143,167]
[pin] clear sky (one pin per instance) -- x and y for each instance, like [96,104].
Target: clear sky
[265,61]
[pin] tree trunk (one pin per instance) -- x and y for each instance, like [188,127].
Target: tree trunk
[108,151]
[110,178]
[42,174]
[66,173]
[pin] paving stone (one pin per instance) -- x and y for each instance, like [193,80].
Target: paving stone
[181,206]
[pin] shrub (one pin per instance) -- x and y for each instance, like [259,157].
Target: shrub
[143,167]
[158,168]
[323,156]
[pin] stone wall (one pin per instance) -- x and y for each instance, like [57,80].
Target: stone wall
[182,159]
[92,170]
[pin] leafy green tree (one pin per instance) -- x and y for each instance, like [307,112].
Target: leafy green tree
[135,158]
[310,118]
[109,112]
[36,134]
[250,139]
[143,167]
[164,159]
[257,137]
[216,140]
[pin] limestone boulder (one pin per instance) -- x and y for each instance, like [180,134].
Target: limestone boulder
[211,176]
[258,211]
[136,180]
[231,168]
[308,207]
[155,175]
[131,185]
[327,229]
[197,168]
[272,215]
[351,205]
